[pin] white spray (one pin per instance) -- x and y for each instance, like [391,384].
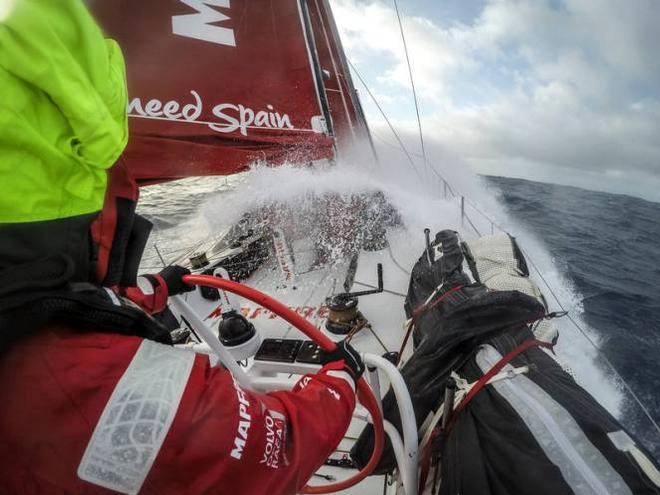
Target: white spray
[421,203]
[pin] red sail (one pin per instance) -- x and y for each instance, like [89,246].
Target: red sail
[215,85]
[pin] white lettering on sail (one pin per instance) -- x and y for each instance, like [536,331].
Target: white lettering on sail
[231,118]
[201,25]
[229,123]
[283,121]
[190,112]
[238,117]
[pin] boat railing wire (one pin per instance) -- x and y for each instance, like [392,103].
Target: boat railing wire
[412,82]
[387,120]
[451,193]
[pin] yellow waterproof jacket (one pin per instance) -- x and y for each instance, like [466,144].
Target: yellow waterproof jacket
[63,119]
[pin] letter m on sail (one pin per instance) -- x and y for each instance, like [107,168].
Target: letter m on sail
[202,24]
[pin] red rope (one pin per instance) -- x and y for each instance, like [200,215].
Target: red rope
[477,387]
[425,307]
[483,381]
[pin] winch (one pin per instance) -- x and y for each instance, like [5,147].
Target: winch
[199,261]
[343,314]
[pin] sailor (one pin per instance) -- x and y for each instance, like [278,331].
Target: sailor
[94,399]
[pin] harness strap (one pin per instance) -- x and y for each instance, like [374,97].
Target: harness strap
[429,305]
[483,381]
[474,390]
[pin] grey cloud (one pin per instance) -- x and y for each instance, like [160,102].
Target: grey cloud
[586,99]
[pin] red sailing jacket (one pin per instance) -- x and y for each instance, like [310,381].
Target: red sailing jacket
[112,232]
[96,413]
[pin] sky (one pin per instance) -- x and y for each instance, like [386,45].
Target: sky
[563,91]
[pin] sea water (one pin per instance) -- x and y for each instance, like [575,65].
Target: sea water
[597,251]
[608,247]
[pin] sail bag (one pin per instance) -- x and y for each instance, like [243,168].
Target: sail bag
[534,429]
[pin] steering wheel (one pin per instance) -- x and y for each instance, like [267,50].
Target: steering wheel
[364,393]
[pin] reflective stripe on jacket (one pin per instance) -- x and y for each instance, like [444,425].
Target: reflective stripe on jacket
[89,413]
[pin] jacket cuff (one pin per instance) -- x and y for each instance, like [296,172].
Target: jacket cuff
[336,369]
[344,375]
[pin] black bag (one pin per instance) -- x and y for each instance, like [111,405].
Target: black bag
[535,432]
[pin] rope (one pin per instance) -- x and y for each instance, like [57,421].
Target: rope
[593,344]
[486,378]
[430,305]
[371,329]
[579,327]
[470,222]
[409,328]
[493,222]
[412,82]
[449,187]
[479,385]
[536,269]
[382,112]
[396,263]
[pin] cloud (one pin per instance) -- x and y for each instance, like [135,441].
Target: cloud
[371,28]
[534,88]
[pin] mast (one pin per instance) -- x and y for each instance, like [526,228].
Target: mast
[346,110]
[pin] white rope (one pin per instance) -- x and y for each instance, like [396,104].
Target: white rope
[387,120]
[412,82]
[593,344]
[462,389]
[554,295]
[579,327]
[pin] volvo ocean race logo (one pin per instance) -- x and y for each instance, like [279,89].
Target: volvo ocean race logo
[231,117]
[202,24]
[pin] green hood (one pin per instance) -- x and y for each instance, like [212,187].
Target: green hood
[63,119]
